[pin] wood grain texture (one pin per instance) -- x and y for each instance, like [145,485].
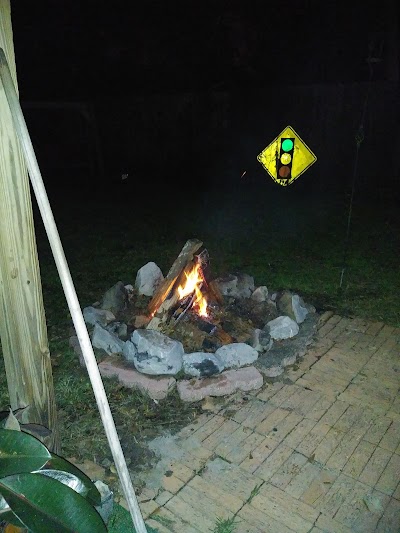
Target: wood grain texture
[22,318]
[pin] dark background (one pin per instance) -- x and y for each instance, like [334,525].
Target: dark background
[190,92]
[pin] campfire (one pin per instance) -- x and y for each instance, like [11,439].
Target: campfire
[192,288]
[184,290]
[187,293]
[197,323]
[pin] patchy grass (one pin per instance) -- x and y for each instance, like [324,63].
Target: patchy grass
[254,493]
[282,240]
[137,418]
[121,522]
[227,525]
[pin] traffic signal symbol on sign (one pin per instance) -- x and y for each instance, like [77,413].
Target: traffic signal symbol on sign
[287,157]
[285,160]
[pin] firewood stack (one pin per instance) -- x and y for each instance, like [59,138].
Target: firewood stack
[166,307]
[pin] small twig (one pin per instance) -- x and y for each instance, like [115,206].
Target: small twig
[189,305]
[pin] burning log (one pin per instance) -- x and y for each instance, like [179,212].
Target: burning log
[184,306]
[182,294]
[177,269]
[215,330]
[215,293]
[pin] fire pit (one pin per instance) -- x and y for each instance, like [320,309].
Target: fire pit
[200,312]
[206,333]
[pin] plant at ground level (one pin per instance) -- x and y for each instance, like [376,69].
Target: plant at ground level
[227,525]
[42,491]
[254,492]
[162,519]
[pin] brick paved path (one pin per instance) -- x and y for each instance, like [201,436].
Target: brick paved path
[318,451]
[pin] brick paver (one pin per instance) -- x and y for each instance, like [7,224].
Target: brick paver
[316,451]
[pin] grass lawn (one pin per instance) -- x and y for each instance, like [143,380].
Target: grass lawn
[283,239]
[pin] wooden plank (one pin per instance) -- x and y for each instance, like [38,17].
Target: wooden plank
[214,292]
[22,326]
[186,255]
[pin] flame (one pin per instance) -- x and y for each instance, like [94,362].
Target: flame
[194,279]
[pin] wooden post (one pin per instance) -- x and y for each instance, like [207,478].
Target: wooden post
[22,318]
[70,292]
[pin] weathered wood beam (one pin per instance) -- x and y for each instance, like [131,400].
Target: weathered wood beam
[22,324]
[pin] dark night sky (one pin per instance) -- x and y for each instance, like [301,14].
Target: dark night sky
[85,50]
[108,54]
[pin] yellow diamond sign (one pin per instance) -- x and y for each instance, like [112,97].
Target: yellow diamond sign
[287,157]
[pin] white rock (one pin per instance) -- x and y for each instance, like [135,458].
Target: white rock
[97,316]
[282,327]
[260,294]
[299,310]
[236,355]
[157,353]
[129,351]
[104,340]
[261,340]
[201,364]
[148,279]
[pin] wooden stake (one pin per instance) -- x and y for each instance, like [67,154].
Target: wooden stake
[70,294]
[23,324]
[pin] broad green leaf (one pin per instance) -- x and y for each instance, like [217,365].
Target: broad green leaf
[65,478]
[10,518]
[20,452]
[73,482]
[46,505]
[90,490]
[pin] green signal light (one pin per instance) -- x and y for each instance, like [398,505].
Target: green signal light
[287,145]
